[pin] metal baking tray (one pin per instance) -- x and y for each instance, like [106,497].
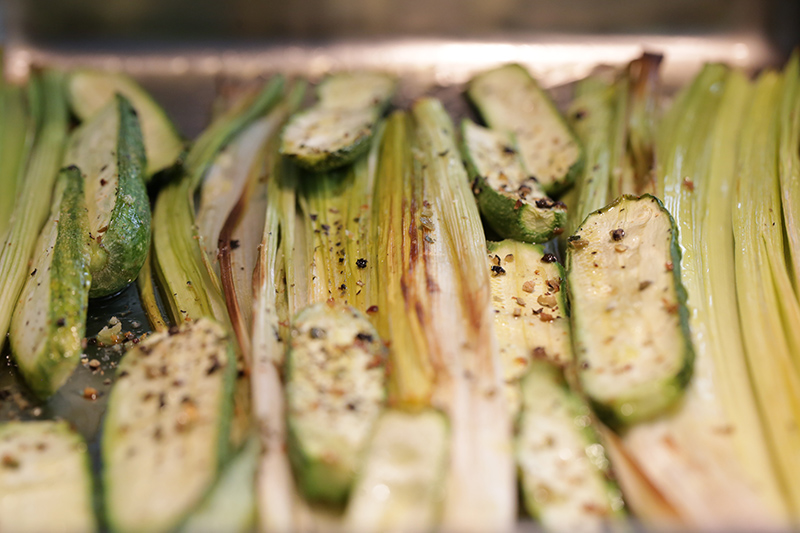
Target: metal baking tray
[184,78]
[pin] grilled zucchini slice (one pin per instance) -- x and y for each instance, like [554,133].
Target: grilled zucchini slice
[45,478]
[630,321]
[511,102]
[167,426]
[90,91]
[564,471]
[50,317]
[512,202]
[109,151]
[339,128]
[401,483]
[335,391]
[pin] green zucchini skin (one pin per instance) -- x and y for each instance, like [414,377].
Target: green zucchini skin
[45,478]
[511,101]
[121,238]
[518,208]
[335,391]
[50,319]
[167,426]
[666,301]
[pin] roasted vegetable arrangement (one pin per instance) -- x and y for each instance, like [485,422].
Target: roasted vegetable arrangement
[337,344]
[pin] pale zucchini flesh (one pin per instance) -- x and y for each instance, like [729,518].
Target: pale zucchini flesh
[530,311]
[50,318]
[45,479]
[108,150]
[335,391]
[512,202]
[339,128]
[167,426]
[400,486]
[89,91]
[563,468]
[630,321]
[510,101]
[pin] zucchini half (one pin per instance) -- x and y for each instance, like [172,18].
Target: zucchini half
[334,391]
[512,202]
[45,478]
[401,484]
[89,91]
[50,317]
[339,128]
[564,471]
[167,426]
[109,151]
[630,321]
[510,101]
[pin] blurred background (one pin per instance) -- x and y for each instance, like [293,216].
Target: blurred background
[160,22]
[181,48]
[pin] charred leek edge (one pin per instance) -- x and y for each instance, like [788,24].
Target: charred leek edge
[402,218]
[44,465]
[530,311]
[510,101]
[228,180]
[643,92]
[334,393]
[564,471]
[630,327]
[592,116]
[50,317]
[400,484]
[458,327]
[189,288]
[16,135]
[91,90]
[339,128]
[769,326]
[230,505]
[513,204]
[166,429]
[108,150]
[789,161]
[33,204]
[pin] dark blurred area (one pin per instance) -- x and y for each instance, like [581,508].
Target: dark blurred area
[144,23]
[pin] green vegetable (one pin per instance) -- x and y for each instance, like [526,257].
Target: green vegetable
[339,128]
[334,393]
[630,330]
[400,485]
[49,112]
[108,150]
[167,426]
[50,319]
[513,203]
[92,90]
[512,103]
[44,465]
